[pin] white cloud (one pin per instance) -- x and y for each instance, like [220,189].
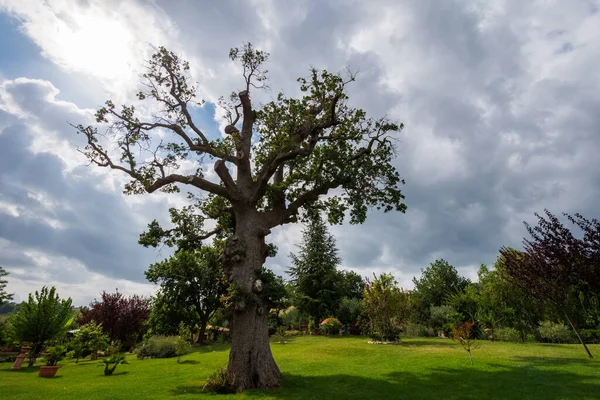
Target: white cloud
[106,39]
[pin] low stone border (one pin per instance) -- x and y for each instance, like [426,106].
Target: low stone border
[378,342]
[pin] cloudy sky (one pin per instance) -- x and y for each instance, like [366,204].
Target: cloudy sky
[500,98]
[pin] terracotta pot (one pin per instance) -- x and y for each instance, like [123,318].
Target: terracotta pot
[48,371]
[18,362]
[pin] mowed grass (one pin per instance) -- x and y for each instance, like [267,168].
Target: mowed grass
[338,368]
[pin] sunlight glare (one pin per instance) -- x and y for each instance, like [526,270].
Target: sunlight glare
[98,45]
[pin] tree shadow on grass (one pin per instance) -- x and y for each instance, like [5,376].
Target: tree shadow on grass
[23,370]
[192,362]
[116,374]
[557,361]
[424,343]
[464,383]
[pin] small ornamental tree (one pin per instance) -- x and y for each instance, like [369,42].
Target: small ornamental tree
[122,318]
[89,338]
[557,267]
[386,308]
[463,332]
[272,163]
[44,317]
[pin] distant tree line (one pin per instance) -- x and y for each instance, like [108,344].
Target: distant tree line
[547,292]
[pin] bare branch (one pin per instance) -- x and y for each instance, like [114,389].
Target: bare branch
[97,155]
[176,83]
[178,130]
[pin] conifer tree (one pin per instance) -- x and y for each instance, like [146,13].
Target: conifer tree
[4,295]
[314,274]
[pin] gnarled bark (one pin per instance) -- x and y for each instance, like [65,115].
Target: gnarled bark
[251,363]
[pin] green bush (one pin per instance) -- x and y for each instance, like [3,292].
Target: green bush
[331,326]
[386,309]
[418,330]
[54,355]
[158,347]
[555,333]
[292,332]
[219,382]
[279,336]
[590,335]
[4,332]
[292,318]
[182,347]
[89,339]
[530,338]
[349,310]
[438,316]
[507,335]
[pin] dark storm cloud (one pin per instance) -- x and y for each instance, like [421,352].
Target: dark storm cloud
[478,93]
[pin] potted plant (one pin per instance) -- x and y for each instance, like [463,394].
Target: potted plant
[55,354]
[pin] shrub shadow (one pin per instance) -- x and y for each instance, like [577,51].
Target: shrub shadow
[211,348]
[23,370]
[192,362]
[187,389]
[116,374]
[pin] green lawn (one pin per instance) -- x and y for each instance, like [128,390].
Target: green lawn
[344,368]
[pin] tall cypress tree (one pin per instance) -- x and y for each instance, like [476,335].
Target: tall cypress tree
[4,295]
[314,274]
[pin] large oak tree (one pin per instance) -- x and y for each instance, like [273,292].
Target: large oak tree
[273,162]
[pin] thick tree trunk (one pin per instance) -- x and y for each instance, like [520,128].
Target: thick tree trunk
[202,333]
[251,363]
[34,353]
